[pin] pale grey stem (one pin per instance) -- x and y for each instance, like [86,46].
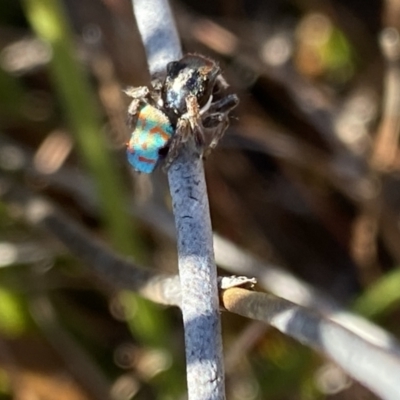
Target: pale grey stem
[198,277]
[158,32]
[372,365]
[197,270]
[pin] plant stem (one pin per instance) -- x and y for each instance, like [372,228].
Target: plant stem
[197,270]
[198,276]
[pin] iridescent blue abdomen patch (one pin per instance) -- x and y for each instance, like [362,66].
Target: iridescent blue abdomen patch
[152,133]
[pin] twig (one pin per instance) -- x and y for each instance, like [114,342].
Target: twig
[374,367]
[198,277]
[197,270]
[158,32]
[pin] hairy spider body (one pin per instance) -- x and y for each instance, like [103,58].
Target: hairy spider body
[193,75]
[192,99]
[187,103]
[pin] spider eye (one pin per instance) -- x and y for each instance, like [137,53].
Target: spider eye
[195,84]
[191,82]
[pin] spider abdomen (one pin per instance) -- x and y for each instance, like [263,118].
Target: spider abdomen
[151,134]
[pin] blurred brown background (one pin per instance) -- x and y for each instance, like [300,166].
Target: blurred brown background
[306,177]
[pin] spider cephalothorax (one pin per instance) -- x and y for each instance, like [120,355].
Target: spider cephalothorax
[193,75]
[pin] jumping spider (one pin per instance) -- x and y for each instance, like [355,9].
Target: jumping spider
[188,103]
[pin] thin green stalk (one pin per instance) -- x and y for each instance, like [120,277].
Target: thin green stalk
[49,21]
[380,297]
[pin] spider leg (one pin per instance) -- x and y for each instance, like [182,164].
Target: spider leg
[224,105]
[206,106]
[139,92]
[138,95]
[193,115]
[216,120]
[212,121]
[157,85]
[220,84]
[216,125]
[132,112]
[189,125]
[181,135]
